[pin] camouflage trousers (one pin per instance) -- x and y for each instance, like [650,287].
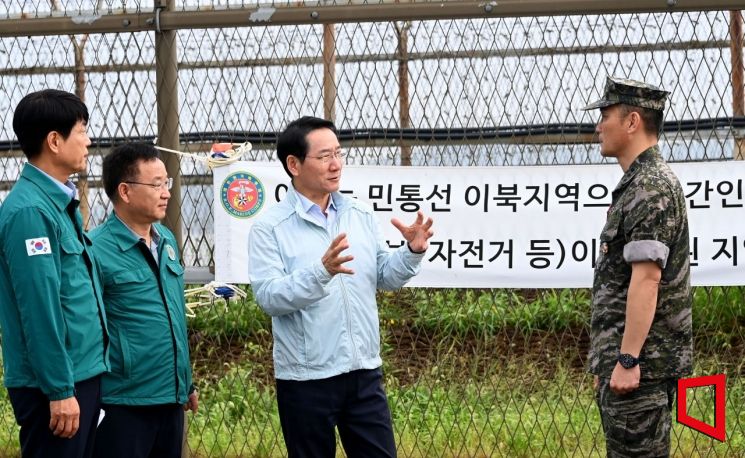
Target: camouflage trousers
[637,424]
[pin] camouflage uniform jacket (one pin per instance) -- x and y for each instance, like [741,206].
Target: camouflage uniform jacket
[647,221]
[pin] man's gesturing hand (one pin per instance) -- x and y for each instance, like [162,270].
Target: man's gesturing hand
[333,261]
[64,418]
[418,234]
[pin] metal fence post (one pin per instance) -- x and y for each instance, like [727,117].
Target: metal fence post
[329,72]
[738,84]
[80,80]
[402,53]
[166,81]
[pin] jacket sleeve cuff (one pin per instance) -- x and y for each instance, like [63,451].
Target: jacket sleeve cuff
[192,389]
[60,395]
[413,257]
[646,250]
[414,252]
[320,272]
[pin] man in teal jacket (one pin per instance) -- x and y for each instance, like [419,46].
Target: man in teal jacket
[149,387]
[51,313]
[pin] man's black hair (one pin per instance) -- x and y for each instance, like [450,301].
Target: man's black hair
[292,140]
[42,112]
[122,164]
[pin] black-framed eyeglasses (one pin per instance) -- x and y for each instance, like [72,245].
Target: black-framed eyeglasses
[168,184]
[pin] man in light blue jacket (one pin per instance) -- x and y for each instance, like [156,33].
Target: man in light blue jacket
[316,261]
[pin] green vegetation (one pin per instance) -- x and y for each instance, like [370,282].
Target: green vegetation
[468,373]
[486,312]
[435,417]
[719,320]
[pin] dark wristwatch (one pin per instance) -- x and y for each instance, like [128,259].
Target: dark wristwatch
[627,361]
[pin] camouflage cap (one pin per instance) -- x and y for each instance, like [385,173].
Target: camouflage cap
[630,92]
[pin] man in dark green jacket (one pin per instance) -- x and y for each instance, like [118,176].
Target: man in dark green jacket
[149,387]
[51,313]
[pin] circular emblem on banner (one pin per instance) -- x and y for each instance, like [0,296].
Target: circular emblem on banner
[242,194]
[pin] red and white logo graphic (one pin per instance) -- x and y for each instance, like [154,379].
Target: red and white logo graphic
[717,431]
[242,195]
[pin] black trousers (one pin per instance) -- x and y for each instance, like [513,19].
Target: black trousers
[31,409]
[140,431]
[354,402]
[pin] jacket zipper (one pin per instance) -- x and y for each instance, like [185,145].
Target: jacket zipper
[346,299]
[155,268]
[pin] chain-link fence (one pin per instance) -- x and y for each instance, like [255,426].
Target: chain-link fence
[468,372]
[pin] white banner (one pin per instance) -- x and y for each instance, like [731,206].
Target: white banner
[498,227]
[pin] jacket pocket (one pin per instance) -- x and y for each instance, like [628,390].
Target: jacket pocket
[123,291]
[176,268]
[327,335]
[126,355]
[611,239]
[71,246]
[130,276]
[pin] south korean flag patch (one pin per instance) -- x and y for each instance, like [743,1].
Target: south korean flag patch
[38,246]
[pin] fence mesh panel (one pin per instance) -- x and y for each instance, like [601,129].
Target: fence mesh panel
[470,372]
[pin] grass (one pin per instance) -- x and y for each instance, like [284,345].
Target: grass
[468,373]
[8,428]
[438,417]
[447,311]
[719,317]
[223,324]
[486,312]
[435,417]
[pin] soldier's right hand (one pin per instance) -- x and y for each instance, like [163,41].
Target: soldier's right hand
[333,261]
[64,416]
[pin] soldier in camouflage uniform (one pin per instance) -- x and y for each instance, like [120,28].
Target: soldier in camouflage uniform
[641,339]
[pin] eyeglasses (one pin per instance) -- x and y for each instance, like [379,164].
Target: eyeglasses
[168,184]
[326,158]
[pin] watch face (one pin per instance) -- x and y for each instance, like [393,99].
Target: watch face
[627,361]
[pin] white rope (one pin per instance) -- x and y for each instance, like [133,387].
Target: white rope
[221,153]
[209,293]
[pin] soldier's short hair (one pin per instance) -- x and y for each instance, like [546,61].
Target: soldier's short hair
[652,119]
